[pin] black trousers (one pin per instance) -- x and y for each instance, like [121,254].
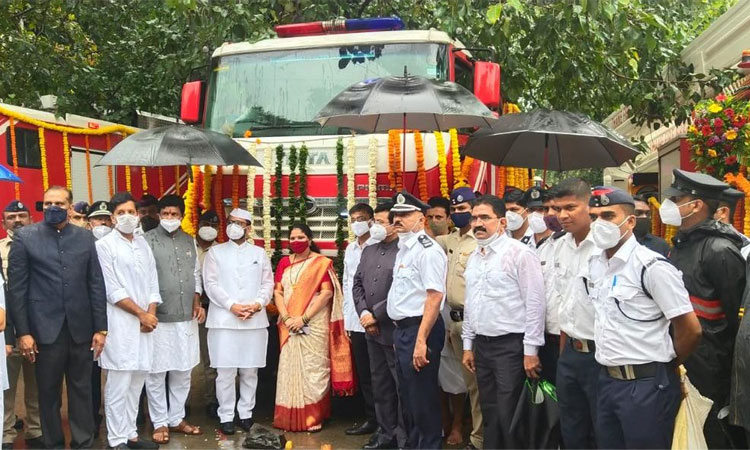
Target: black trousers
[362,364]
[65,358]
[419,390]
[500,376]
[385,382]
[548,356]
[577,380]
[637,413]
[96,394]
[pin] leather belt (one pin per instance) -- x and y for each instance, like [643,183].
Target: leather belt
[457,315]
[582,345]
[633,371]
[408,322]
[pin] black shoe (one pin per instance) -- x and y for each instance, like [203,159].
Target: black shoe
[227,428]
[246,424]
[119,447]
[35,443]
[212,410]
[19,424]
[375,437]
[367,427]
[381,444]
[142,444]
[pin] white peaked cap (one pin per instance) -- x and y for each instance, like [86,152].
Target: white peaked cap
[241,214]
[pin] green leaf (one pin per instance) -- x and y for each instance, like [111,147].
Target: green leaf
[494,13]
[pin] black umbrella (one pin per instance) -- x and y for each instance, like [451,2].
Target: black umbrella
[554,140]
[176,145]
[411,102]
[536,419]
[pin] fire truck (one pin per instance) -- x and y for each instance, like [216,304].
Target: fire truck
[270,91]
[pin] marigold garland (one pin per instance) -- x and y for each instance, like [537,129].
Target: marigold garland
[466,171]
[63,129]
[43,155]
[395,173]
[161,181]
[267,155]
[236,186]
[207,180]
[110,172]
[303,155]
[372,172]
[455,159]
[442,163]
[219,203]
[14,152]
[128,180]
[190,219]
[88,169]
[741,183]
[144,180]
[501,180]
[292,188]
[66,162]
[177,180]
[421,174]
[250,180]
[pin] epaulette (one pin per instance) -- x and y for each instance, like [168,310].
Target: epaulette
[425,241]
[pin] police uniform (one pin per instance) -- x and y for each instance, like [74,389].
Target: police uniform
[731,197]
[458,247]
[635,293]
[420,266]
[708,255]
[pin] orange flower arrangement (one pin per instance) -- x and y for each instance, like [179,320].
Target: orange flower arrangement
[177,180]
[190,219]
[88,169]
[442,163]
[66,162]
[219,204]
[501,180]
[421,174]
[110,175]
[16,186]
[128,181]
[741,183]
[236,187]
[395,175]
[43,153]
[456,158]
[144,180]
[207,178]
[161,181]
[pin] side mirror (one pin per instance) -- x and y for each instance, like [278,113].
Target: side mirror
[487,83]
[191,104]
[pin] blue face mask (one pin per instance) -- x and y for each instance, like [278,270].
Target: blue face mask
[54,215]
[461,219]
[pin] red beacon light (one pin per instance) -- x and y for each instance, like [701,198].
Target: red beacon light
[340,26]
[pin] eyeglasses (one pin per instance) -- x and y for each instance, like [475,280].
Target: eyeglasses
[242,224]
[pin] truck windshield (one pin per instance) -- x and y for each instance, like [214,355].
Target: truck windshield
[278,93]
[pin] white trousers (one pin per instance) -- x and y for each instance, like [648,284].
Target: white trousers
[226,393]
[121,395]
[156,391]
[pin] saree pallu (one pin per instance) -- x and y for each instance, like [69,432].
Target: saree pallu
[312,364]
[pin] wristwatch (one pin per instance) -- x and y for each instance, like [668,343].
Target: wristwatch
[103,333]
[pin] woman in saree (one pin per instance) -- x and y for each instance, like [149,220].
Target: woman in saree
[315,354]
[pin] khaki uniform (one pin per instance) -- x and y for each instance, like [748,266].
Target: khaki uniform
[458,248]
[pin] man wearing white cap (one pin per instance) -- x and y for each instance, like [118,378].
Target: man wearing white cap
[238,279]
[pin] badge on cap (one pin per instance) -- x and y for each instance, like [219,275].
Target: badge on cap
[102,207]
[400,199]
[20,205]
[459,198]
[535,194]
[604,199]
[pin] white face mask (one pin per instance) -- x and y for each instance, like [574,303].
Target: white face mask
[235,231]
[126,223]
[487,241]
[606,234]
[360,228]
[515,220]
[100,231]
[378,232]
[669,212]
[403,237]
[536,222]
[208,234]
[170,225]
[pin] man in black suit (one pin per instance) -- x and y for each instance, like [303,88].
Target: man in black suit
[370,292]
[58,302]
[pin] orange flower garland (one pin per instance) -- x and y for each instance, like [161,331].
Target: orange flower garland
[88,169]
[442,163]
[177,180]
[456,158]
[219,204]
[236,187]
[66,156]
[110,175]
[43,154]
[466,171]
[421,174]
[128,180]
[395,175]
[144,180]
[741,183]
[501,180]
[161,182]
[190,219]
[207,187]
[16,186]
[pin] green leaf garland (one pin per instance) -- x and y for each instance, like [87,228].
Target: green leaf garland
[302,202]
[292,194]
[278,205]
[341,233]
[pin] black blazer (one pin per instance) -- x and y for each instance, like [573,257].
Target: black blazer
[53,277]
[372,281]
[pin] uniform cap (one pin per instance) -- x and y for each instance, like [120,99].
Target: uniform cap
[731,196]
[461,195]
[405,202]
[16,206]
[100,208]
[608,196]
[533,197]
[695,184]
[81,208]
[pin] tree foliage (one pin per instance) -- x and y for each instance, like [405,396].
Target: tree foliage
[109,58]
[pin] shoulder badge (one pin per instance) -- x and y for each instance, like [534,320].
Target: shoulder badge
[425,241]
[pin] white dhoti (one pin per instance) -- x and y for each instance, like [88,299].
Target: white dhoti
[163,414]
[226,393]
[121,395]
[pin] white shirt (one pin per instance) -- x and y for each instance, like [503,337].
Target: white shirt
[546,253]
[352,255]
[625,331]
[129,271]
[239,274]
[420,265]
[504,294]
[576,310]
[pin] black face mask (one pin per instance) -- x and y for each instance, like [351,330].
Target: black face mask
[642,227]
[148,223]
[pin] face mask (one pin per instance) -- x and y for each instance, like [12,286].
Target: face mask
[670,212]
[360,228]
[552,223]
[378,232]
[536,222]
[170,225]
[126,223]
[208,234]
[235,232]
[461,219]
[642,227]
[298,247]
[515,220]
[438,228]
[488,241]
[54,215]
[606,234]
[100,231]
[148,223]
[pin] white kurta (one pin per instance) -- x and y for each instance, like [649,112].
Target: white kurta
[129,271]
[176,346]
[240,274]
[352,255]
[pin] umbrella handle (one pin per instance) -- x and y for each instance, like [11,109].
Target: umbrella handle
[546,160]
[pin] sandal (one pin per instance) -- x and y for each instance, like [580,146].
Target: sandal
[161,435]
[186,428]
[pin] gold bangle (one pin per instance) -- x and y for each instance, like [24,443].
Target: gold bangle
[305,319]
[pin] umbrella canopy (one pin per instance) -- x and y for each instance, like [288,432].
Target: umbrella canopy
[8,175]
[553,140]
[176,145]
[405,102]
